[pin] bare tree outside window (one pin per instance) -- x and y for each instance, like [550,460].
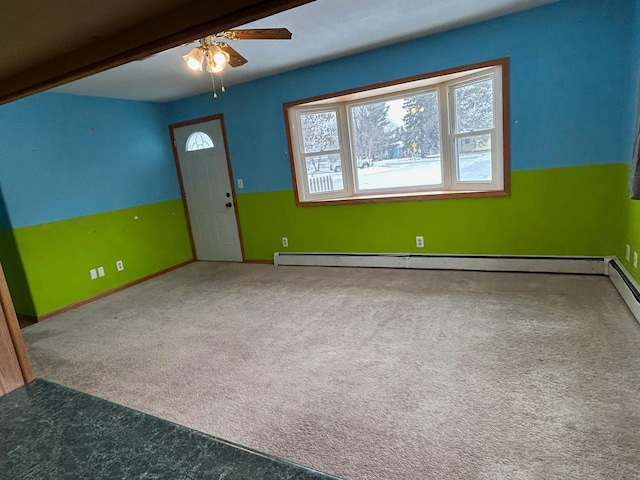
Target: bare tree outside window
[371,129]
[319,134]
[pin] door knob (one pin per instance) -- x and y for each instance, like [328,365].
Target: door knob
[228,205]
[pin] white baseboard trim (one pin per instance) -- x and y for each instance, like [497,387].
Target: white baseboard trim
[493,263]
[626,285]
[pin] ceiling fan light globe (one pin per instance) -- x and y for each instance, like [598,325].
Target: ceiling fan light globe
[220,59]
[194,59]
[194,64]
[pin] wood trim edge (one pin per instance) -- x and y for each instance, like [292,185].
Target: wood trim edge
[438,195]
[506,123]
[80,303]
[14,329]
[26,320]
[260,262]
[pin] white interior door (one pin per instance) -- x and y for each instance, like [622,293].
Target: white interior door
[204,167]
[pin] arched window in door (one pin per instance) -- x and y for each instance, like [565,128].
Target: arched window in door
[199,141]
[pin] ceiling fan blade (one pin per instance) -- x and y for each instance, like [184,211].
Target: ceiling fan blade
[235,59]
[259,34]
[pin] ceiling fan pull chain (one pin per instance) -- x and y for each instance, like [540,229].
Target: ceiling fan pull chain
[213,81]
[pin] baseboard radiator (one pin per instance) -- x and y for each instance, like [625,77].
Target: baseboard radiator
[628,288]
[493,263]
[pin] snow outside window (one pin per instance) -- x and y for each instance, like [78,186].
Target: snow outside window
[433,136]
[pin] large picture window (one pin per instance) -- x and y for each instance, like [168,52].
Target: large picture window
[432,136]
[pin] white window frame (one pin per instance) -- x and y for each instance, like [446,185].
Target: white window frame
[496,134]
[443,83]
[341,150]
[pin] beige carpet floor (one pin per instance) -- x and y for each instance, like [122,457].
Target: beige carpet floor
[371,373]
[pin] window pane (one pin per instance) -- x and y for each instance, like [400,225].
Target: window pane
[474,106]
[400,173]
[473,156]
[320,132]
[397,142]
[198,141]
[324,173]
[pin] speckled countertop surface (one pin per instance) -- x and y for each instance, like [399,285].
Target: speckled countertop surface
[51,432]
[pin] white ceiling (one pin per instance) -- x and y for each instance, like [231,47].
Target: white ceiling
[322,30]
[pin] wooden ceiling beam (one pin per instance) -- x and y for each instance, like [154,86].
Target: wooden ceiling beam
[193,21]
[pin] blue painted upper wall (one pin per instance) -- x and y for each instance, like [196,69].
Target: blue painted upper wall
[66,156]
[569,88]
[574,81]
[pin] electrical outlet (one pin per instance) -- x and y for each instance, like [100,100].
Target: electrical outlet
[120,265]
[93,273]
[240,183]
[627,253]
[101,271]
[635,259]
[420,241]
[285,242]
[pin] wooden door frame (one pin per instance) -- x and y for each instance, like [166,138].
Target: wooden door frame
[174,146]
[13,346]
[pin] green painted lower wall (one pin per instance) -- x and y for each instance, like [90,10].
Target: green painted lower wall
[560,211]
[57,256]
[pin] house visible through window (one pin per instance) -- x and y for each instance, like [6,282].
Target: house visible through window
[199,141]
[435,135]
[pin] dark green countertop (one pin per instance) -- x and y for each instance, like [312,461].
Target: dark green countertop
[52,432]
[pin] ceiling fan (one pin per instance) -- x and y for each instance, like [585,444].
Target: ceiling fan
[215,53]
